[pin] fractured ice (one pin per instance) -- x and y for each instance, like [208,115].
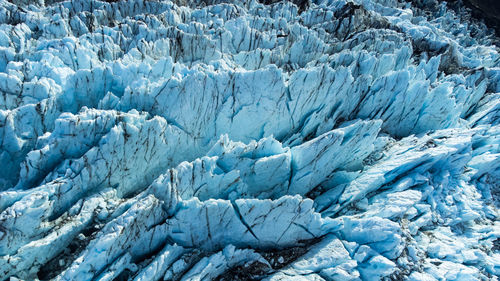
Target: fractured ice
[236,140]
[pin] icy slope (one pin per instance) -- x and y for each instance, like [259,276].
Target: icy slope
[332,140]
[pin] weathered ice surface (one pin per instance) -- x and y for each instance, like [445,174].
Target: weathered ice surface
[248,140]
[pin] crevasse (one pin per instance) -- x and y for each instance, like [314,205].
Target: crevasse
[240,140]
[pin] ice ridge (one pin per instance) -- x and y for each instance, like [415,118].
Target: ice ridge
[248,140]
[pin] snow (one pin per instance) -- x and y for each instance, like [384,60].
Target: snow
[196,140]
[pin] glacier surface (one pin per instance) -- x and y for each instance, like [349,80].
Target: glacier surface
[247,140]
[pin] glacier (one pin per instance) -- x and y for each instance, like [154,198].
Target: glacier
[248,140]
